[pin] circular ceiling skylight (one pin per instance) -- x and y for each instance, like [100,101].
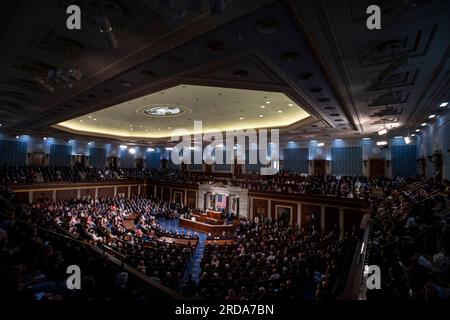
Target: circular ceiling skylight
[163,110]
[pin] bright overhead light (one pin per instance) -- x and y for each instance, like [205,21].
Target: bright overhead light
[220,145]
[90,117]
[407,140]
[95,119]
[413,135]
[90,142]
[423,124]
[381,143]
[290,141]
[140,126]
[366,138]
[150,149]
[241,118]
[337,140]
[290,104]
[191,148]
[132,151]
[169,148]
[417,130]
[123,147]
[382,131]
[235,147]
[280,111]
[267,102]
[261,116]
[44,138]
[398,137]
[17,137]
[81,120]
[443,104]
[320,144]
[431,116]
[262,107]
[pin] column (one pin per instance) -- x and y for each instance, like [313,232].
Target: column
[96,193]
[54,194]
[78,193]
[185,197]
[115,191]
[299,215]
[30,197]
[139,189]
[251,209]
[341,223]
[129,191]
[322,219]
[269,210]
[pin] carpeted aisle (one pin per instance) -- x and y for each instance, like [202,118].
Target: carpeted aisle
[193,266]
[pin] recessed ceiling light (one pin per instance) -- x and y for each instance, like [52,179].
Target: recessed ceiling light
[169,148]
[337,140]
[290,104]
[431,116]
[89,117]
[81,120]
[140,126]
[398,137]
[280,111]
[44,138]
[366,138]
[169,128]
[17,137]
[267,102]
[443,104]
[423,124]
[290,141]
[381,143]
[262,107]
[382,131]
[320,144]
[261,116]
[159,129]
[413,135]
[241,118]
[123,146]
[150,149]
[417,130]
[95,119]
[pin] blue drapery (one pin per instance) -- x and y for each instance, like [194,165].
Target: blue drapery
[13,152]
[296,160]
[97,157]
[404,160]
[60,155]
[346,160]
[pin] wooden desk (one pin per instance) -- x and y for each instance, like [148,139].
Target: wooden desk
[130,221]
[204,227]
[214,214]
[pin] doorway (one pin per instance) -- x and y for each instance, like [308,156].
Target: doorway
[376,167]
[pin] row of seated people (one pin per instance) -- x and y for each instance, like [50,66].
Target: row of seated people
[101,221]
[410,242]
[10,175]
[273,260]
[34,260]
[338,186]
